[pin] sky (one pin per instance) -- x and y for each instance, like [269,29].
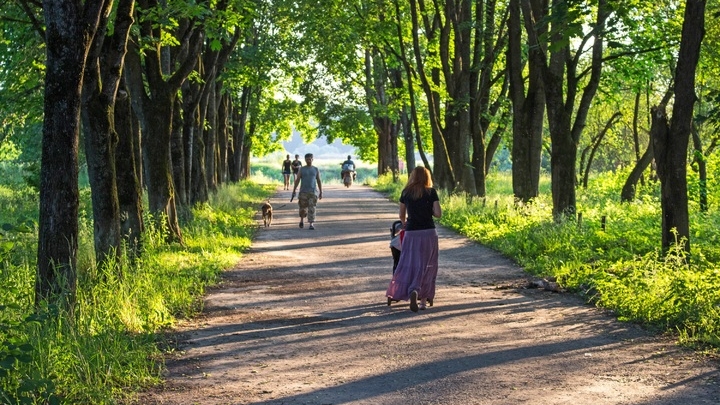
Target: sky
[319,148]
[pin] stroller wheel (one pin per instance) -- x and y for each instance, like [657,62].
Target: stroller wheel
[430,301]
[389,301]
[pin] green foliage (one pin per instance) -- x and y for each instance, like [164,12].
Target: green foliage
[112,339]
[389,186]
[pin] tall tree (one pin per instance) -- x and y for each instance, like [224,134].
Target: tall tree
[528,100]
[561,81]
[489,41]
[154,99]
[70,30]
[671,140]
[102,78]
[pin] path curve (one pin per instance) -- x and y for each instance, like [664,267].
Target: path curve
[303,319]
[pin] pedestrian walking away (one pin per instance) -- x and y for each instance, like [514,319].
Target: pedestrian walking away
[414,277]
[310,191]
[286,165]
[296,165]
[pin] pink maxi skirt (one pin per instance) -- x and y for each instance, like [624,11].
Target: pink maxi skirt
[418,266]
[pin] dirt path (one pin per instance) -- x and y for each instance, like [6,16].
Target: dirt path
[303,319]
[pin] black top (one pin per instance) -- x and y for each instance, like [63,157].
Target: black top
[419,212]
[286,166]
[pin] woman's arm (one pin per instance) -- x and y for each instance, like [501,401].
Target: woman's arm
[403,212]
[437,211]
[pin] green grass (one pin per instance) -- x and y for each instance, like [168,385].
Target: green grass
[111,344]
[619,268]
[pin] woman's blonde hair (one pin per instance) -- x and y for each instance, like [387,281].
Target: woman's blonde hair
[419,180]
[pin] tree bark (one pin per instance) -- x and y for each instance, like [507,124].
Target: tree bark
[560,80]
[700,159]
[70,29]
[671,146]
[102,79]
[128,175]
[177,156]
[455,51]
[596,145]
[528,106]
[190,107]
[628,191]
[443,173]
[377,99]
[242,141]
[156,98]
[223,138]
[210,137]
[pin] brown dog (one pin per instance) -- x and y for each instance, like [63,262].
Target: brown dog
[267,214]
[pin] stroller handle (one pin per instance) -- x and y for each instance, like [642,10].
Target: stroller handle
[394,225]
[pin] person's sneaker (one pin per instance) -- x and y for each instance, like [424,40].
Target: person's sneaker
[413,301]
[301,224]
[311,226]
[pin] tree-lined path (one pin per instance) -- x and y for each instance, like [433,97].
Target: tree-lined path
[303,319]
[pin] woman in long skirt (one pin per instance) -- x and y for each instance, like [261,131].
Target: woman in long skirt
[417,268]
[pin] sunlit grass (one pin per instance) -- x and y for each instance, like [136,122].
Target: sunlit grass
[111,341]
[619,267]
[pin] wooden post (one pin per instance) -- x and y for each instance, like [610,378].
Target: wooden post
[603,223]
[579,220]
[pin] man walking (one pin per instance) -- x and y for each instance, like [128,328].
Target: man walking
[310,190]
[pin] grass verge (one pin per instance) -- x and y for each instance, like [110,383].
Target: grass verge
[617,265]
[110,345]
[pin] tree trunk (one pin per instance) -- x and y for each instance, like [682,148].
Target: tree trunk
[160,186]
[128,175]
[177,154]
[596,145]
[443,173]
[528,108]
[242,141]
[486,46]
[636,132]
[377,99]
[671,146]
[455,51]
[560,82]
[494,143]
[190,110]
[100,142]
[628,191]
[405,120]
[245,160]
[102,78]
[223,139]
[156,96]
[210,137]
[199,191]
[409,141]
[235,146]
[700,159]
[70,29]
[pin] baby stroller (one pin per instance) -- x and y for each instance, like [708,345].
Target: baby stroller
[396,237]
[396,242]
[396,234]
